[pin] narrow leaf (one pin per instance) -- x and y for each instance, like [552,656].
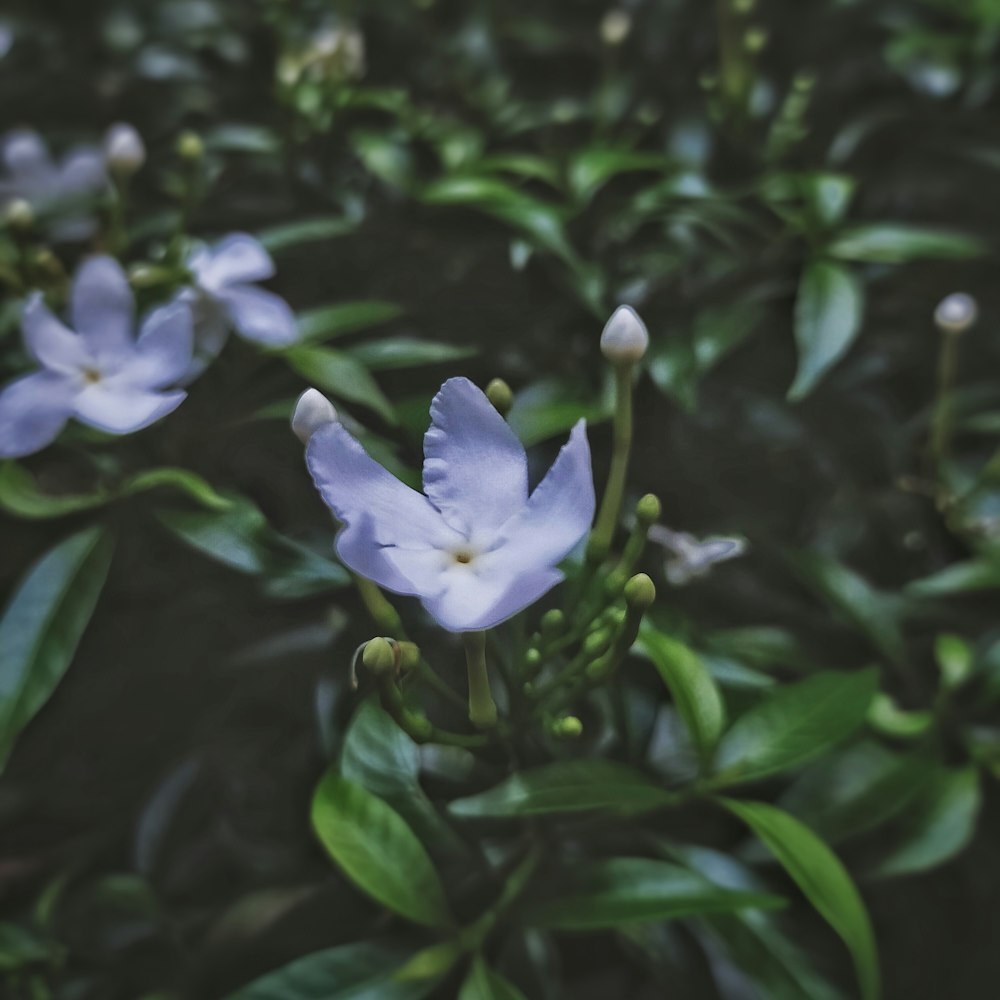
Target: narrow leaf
[342,376]
[482,983]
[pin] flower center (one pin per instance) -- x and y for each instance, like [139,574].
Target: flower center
[463,556]
[91,376]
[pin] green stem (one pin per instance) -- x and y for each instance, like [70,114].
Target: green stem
[941,420]
[482,708]
[614,491]
[418,727]
[383,613]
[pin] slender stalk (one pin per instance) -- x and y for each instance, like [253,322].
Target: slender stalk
[614,491]
[383,613]
[417,726]
[941,420]
[482,708]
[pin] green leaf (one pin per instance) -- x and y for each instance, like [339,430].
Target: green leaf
[691,686]
[606,894]
[361,971]
[482,983]
[20,495]
[377,851]
[958,578]
[591,169]
[818,872]
[179,479]
[829,196]
[955,659]
[342,376]
[550,407]
[380,757]
[794,724]
[42,626]
[939,824]
[828,314]
[405,352]
[339,320]
[896,243]
[566,786]
[313,230]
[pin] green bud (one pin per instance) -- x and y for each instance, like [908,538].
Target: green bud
[409,656]
[190,146]
[614,618]
[149,275]
[600,668]
[567,727]
[754,40]
[552,622]
[533,658]
[597,642]
[500,395]
[19,215]
[614,583]
[648,509]
[744,6]
[380,655]
[640,592]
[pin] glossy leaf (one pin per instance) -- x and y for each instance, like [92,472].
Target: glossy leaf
[329,322]
[482,983]
[616,891]
[895,243]
[828,314]
[43,624]
[314,230]
[821,876]
[794,724]
[406,352]
[378,851]
[566,786]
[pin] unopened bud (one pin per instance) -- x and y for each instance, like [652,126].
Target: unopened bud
[312,411]
[190,146]
[124,150]
[19,215]
[567,727]
[500,395]
[597,642]
[956,313]
[614,583]
[533,658]
[625,338]
[149,275]
[615,26]
[640,592]
[409,656]
[552,622]
[380,656]
[648,509]
[754,40]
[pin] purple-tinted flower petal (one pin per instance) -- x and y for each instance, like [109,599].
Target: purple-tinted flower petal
[475,469]
[481,602]
[559,513]
[25,154]
[81,172]
[237,259]
[163,351]
[376,508]
[33,411]
[259,315]
[114,406]
[359,548]
[51,343]
[102,306]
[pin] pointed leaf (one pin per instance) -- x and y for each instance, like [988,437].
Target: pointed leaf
[896,243]
[482,983]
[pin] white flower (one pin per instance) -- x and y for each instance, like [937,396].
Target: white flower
[955,313]
[124,149]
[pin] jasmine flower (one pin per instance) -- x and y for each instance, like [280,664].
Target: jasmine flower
[690,557]
[475,547]
[95,370]
[53,189]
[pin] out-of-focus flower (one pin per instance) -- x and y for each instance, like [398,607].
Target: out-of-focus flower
[616,26]
[312,411]
[476,548]
[223,298]
[124,149]
[335,53]
[625,338]
[691,558]
[55,190]
[955,313]
[95,370]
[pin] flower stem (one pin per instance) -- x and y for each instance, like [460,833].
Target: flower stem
[941,419]
[614,491]
[383,613]
[482,708]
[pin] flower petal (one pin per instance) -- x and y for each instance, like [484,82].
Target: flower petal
[51,344]
[81,172]
[113,406]
[164,349]
[102,306]
[33,411]
[475,469]
[259,315]
[358,547]
[370,501]
[558,514]
[237,259]
[25,154]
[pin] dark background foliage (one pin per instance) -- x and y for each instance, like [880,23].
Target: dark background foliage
[162,793]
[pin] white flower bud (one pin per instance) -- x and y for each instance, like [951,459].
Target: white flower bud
[615,26]
[124,150]
[312,411]
[625,337]
[956,313]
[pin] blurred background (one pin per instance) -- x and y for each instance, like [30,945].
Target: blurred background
[785,191]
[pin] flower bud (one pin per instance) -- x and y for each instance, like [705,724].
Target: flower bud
[640,592]
[567,727]
[149,275]
[19,215]
[312,411]
[615,26]
[597,642]
[380,656]
[625,338]
[190,146]
[533,658]
[500,395]
[648,509]
[552,622]
[956,313]
[409,656]
[124,151]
